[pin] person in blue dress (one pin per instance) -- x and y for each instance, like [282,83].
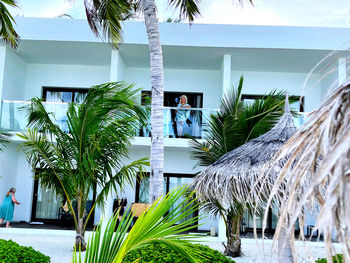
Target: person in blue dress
[8,206]
[182,115]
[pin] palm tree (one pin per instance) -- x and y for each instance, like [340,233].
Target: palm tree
[316,173]
[7,32]
[89,154]
[235,124]
[159,225]
[104,17]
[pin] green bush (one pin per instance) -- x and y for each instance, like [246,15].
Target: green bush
[161,253]
[12,252]
[336,259]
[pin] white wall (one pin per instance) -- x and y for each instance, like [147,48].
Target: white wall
[15,171]
[14,77]
[186,80]
[264,82]
[71,76]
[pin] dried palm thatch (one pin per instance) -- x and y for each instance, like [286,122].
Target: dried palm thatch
[317,173]
[231,178]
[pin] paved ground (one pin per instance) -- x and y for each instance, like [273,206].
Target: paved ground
[58,245]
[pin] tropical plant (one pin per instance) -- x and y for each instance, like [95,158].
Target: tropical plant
[10,251]
[104,17]
[162,253]
[7,31]
[316,173]
[89,154]
[4,138]
[160,224]
[236,123]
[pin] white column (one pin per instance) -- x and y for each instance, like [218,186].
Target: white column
[107,209]
[341,70]
[2,70]
[226,73]
[113,75]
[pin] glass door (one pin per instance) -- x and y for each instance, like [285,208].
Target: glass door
[47,206]
[171,181]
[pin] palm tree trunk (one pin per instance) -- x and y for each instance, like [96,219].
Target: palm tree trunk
[233,247]
[157,82]
[80,233]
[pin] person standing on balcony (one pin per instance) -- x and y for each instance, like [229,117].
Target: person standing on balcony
[8,206]
[182,115]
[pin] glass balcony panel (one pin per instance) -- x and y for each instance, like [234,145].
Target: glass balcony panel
[14,115]
[178,123]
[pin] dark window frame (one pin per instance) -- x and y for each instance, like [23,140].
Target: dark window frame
[143,93]
[45,89]
[259,97]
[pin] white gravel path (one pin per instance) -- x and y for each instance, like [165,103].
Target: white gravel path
[58,245]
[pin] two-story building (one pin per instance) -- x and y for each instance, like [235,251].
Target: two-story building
[59,59]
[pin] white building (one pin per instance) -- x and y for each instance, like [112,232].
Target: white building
[202,61]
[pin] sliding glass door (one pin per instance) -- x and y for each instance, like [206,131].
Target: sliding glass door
[171,181]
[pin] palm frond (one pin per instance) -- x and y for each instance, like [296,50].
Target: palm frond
[4,138]
[7,32]
[158,225]
[316,173]
[236,123]
[188,9]
[105,17]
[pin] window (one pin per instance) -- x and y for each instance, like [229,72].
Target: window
[57,102]
[297,106]
[170,182]
[53,94]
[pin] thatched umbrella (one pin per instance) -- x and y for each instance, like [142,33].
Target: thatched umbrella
[236,172]
[234,178]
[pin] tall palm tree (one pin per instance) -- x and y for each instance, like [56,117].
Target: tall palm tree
[104,17]
[235,124]
[89,154]
[7,31]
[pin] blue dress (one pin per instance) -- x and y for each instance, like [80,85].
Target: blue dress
[7,208]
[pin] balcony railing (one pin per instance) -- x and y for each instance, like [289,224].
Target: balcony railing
[181,122]
[178,122]
[14,116]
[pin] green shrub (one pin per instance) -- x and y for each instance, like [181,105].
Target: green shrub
[161,253]
[336,259]
[12,252]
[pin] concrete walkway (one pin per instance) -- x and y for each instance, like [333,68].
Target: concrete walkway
[58,245]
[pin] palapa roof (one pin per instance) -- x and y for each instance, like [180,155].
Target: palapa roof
[232,176]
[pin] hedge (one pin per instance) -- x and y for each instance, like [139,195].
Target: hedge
[336,259]
[162,253]
[10,251]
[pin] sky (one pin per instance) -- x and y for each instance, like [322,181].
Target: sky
[327,13]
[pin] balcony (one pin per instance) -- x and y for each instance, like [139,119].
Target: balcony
[178,123]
